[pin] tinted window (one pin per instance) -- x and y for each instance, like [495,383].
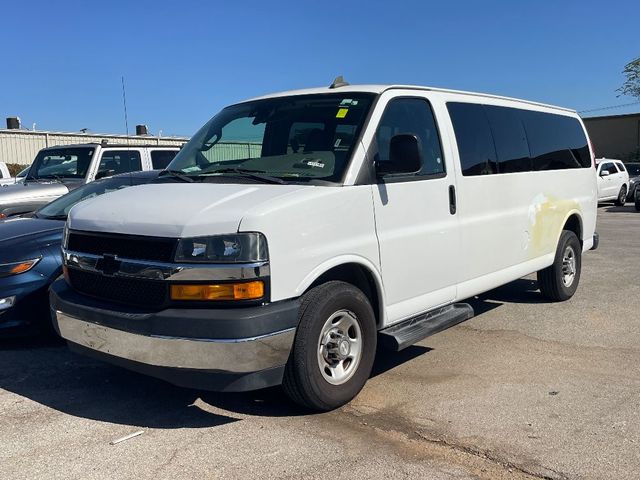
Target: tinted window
[411,116]
[609,167]
[161,158]
[119,161]
[621,167]
[510,139]
[555,141]
[474,139]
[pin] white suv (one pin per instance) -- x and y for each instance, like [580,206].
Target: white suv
[613,181]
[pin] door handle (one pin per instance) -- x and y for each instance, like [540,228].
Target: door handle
[452,199]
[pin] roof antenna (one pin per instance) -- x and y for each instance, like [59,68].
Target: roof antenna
[339,82]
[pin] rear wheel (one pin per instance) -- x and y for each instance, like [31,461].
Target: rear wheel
[637,200]
[622,196]
[560,281]
[334,348]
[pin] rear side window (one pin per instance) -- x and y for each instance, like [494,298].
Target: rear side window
[161,158]
[114,162]
[621,167]
[473,135]
[412,116]
[510,139]
[495,139]
[556,142]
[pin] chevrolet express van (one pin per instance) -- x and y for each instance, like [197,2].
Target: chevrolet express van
[298,232]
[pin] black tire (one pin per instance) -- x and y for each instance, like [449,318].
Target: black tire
[622,196]
[303,380]
[637,200]
[551,279]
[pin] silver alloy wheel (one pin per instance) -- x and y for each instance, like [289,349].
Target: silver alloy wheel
[568,266]
[340,347]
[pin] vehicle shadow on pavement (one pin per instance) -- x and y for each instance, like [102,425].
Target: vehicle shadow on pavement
[522,290]
[46,372]
[626,209]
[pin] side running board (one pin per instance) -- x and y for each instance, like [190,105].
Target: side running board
[404,334]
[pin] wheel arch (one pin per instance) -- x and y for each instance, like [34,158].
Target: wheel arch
[355,270]
[573,223]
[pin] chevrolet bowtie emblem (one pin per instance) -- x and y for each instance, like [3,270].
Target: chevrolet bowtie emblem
[108,264]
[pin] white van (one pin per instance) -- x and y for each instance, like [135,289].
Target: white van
[297,232]
[613,181]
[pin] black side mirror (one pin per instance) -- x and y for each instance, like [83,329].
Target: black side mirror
[405,155]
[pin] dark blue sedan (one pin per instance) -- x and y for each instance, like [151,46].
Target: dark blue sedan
[30,256]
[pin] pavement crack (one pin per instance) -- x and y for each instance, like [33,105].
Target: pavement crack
[488,455]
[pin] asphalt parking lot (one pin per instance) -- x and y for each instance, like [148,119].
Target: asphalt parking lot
[526,389]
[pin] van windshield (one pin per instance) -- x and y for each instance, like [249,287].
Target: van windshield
[59,163]
[294,139]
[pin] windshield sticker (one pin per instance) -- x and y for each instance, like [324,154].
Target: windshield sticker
[348,101]
[337,144]
[314,163]
[342,112]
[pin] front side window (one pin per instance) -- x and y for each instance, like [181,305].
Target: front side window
[60,163]
[411,116]
[114,162]
[296,139]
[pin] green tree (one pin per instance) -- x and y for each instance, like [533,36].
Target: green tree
[631,86]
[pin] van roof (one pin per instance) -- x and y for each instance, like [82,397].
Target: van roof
[383,88]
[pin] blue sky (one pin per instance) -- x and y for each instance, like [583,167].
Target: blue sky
[61,62]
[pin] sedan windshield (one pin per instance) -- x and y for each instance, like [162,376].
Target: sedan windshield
[293,139]
[59,208]
[57,163]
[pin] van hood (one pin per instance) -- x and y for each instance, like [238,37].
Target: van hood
[175,210]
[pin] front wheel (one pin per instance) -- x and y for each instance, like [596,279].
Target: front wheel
[622,196]
[334,348]
[560,281]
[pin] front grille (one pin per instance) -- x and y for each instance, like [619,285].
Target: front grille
[139,292]
[125,246]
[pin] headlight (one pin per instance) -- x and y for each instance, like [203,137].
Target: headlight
[233,248]
[9,269]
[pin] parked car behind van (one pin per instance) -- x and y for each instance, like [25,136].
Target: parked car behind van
[298,232]
[30,256]
[58,170]
[613,181]
[633,169]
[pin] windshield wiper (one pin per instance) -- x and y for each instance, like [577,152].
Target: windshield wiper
[255,174]
[62,216]
[177,174]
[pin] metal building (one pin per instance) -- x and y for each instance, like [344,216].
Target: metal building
[21,146]
[615,136]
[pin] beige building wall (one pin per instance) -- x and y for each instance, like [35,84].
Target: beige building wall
[21,146]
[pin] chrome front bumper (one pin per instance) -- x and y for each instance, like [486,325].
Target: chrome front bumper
[236,356]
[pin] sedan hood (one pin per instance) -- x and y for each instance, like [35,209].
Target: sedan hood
[26,191]
[175,210]
[19,237]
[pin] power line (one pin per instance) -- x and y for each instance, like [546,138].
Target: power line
[609,108]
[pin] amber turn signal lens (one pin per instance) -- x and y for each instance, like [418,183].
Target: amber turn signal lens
[22,267]
[221,291]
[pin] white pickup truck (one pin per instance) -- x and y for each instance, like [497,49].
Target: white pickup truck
[58,170]
[5,176]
